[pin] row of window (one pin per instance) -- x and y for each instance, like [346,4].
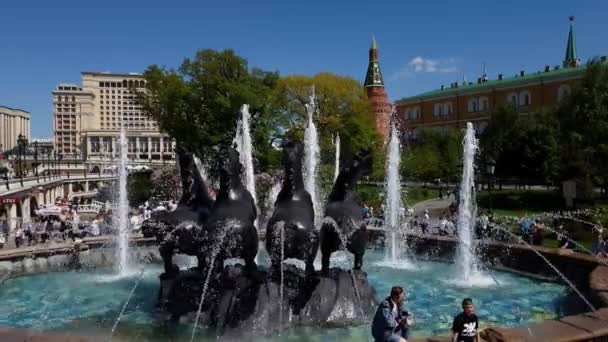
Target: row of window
[66,98]
[123,84]
[106,143]
[482,104]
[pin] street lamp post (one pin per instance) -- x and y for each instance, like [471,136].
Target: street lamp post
[55,163]
[490,168]
[36,161]
[21,145]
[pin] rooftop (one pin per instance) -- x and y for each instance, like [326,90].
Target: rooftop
[110,74]
[460,88]
[13,109]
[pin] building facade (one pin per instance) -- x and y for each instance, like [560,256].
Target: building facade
[88,119]
[459,103]
[374,87]
[13,122]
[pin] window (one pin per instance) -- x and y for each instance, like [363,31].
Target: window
[563,92]
[437,109]
[132,144]
[167,145]
[512,99]
[95,146]
[473,105]
[525,98]
[447,108]
[155,144]
[484,104]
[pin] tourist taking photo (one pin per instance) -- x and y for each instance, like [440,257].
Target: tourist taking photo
[391,322]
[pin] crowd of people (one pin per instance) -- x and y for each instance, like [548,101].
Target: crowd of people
[65,224]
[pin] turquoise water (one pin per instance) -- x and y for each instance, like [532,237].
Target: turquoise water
[88,302]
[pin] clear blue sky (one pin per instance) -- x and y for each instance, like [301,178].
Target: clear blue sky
[43,43]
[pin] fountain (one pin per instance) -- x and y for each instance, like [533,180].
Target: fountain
[466,259]
[245,149]
[337,162]
[393,198]
[274,295]
[122,234]
[312,154]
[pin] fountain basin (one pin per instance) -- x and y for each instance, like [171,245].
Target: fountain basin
[87,302]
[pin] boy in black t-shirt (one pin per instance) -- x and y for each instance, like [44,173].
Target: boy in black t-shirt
[465,326]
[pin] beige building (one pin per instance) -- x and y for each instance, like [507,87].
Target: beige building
[88,119]
[12,123]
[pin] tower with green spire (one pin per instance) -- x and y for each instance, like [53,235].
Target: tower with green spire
[571,59]
[374,87]
[373,78]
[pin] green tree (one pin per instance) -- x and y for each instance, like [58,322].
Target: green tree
[435,153]
[198,104]
[524,147]
[343,109]
[583,123]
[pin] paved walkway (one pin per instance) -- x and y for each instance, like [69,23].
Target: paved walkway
[435,206]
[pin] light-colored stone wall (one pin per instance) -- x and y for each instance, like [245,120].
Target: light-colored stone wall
[98,108]
[12,123]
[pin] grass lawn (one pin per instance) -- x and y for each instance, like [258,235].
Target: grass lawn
[371,195]
[416,195]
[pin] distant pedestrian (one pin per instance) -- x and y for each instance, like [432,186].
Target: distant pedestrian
[465,325]
[19,236]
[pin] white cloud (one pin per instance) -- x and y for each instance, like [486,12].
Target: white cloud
[420,64]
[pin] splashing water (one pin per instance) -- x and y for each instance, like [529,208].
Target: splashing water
[245,149]
[122,252]
[393,197]
[337,168]
[202,171]
[122,311]
[566,280]
[271,197]
[216,247]
[282,278]
[466,207]
[311,157]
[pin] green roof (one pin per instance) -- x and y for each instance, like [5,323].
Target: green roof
[511,81]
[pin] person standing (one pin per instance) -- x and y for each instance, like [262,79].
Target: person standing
[465,325]
[391,322]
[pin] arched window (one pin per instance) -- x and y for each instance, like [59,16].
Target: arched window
[416,112]
[512,99]
[563,92]
[407,114]
[484,104]
[524,98]
[472,105]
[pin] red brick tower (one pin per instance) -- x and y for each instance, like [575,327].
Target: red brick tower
[374,85]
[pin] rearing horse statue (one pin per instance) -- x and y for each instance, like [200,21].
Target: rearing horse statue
[230,230]
[293,215]
[343,226]
[180,230]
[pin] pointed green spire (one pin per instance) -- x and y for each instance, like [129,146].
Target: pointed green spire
[373,77]
[571,59]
